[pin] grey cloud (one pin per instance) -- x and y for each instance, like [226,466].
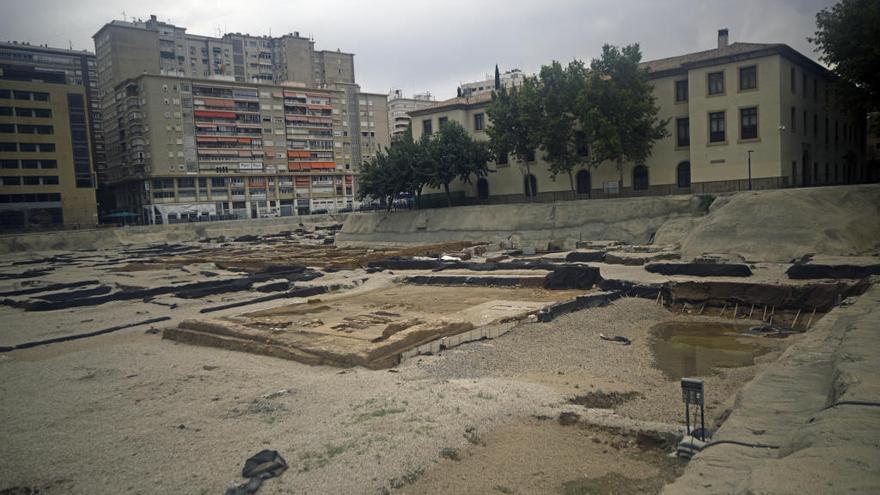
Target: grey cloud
[422,45]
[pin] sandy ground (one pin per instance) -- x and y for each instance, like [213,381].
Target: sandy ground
[129,412]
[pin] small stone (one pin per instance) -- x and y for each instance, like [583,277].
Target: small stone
[568,418]
[450,453]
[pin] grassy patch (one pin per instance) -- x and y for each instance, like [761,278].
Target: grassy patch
[321,459]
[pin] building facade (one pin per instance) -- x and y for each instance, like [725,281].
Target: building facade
[227,111]
[738,114]
[196,148]
[509,79]
[399,108]
[48,148]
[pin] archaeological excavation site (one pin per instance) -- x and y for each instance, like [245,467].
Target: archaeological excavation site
[670,344]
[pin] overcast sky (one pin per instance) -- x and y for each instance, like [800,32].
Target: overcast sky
[423,45]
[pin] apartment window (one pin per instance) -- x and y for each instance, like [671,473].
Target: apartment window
[793,119]
[681,90]
[501,159]
[11,181]
[441,121]
[816,124]
[478,121]
[815,90]
[7,128]
[792,79]
[8,163]
[31,180]
[716,83]
[426,126]
[826,130]
[5,146]
[530,156]
[804,84]
[748,78]
[5,111]
[748,123]
[30,164]
[806,131]
[5,94]
[716,127]
[683,132]
[21,95]
[35,129]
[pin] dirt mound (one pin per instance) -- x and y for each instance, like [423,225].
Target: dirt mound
[784,224]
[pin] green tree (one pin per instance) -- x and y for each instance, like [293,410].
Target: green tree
[516,118]
[558,132]
[452,154]
[848,38]
[497,78]
[409,162]
[619,112]
[375,180]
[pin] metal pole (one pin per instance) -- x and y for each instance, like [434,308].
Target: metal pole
[702,423]
[687,417]
[750,169]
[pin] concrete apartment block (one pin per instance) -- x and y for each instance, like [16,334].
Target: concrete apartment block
[183,105]
[48,148]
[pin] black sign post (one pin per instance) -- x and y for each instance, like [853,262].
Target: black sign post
[692,393]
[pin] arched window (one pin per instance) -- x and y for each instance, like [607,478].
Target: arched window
[684,174]
[640,178]
[482,188]
[584,183]
[530,185]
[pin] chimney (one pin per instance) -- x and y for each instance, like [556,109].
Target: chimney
[153,18]
[722,38]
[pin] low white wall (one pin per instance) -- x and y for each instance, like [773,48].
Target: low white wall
[631,220]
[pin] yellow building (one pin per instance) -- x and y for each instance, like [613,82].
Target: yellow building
[46,149]
[736,105]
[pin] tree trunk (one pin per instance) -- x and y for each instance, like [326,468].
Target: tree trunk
[529,192]
[571,182]
[419,198]
[448,196]
[620,169]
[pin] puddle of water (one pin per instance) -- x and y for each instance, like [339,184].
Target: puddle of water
[697,348]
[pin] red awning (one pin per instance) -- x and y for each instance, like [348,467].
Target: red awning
[214,114]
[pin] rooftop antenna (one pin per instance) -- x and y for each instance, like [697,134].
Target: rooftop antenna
[124,18]
[70,44]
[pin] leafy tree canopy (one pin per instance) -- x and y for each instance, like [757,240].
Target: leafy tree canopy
[848,38]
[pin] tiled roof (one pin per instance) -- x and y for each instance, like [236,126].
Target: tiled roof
[457,101]
[732,50]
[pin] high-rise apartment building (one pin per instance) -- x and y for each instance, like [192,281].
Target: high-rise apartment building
[399,108]
[48,145]
[278,126]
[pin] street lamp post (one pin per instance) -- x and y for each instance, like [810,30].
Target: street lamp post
[750,169]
